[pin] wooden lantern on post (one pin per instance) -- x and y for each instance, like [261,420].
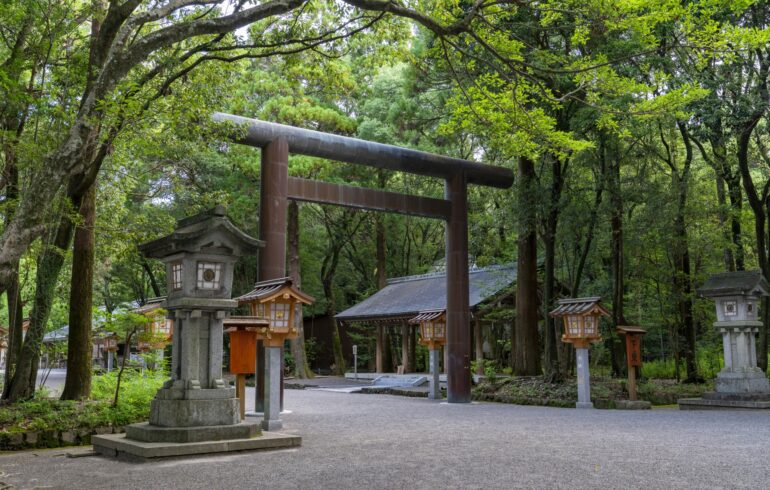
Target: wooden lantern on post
[111,343]
[581,328]
[432,328]
[633,354]
[432,334]
[581,320]
[275,301]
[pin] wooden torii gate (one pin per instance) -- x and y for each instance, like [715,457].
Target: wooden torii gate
[277,140]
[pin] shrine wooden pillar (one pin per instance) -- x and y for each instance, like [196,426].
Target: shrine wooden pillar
[405,346]
[479,340]
[380,349]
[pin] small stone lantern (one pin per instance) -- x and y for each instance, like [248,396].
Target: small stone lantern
[737,296]
[199,255]
[276,302]
[581,328]
[432,334]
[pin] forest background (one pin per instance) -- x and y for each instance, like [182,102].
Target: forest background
[637,130]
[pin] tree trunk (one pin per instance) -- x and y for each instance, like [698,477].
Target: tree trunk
[616,245]
[758,207]
[526,356]
[552,370]
[48,267]
[727,253]
[77,384]
[301,367]
[682,276]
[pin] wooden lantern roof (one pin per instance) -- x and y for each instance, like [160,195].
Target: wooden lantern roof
[579,307]
[266,291]
[426,316]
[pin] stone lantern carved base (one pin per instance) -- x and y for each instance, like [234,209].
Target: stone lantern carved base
[740,384]
[740,376]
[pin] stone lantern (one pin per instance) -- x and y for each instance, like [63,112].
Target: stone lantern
[273,306]
[199,255]
[740,384]
[581,328]
[433,335]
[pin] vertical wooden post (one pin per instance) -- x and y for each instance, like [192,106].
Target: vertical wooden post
[240,390]
[272,229]
[458,321]
[479,339]
[632,383]
[405,346]
[380,354]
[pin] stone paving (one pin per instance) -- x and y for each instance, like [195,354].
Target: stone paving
[381,441]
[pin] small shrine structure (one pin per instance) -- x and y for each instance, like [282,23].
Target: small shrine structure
[403,298]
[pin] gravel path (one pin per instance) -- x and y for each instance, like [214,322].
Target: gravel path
[380,441]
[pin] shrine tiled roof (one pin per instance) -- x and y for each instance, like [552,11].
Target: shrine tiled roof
[405,297]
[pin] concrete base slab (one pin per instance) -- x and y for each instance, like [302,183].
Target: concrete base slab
[721,404]
[152,433]
[117,446]
[584,405]
[633,405]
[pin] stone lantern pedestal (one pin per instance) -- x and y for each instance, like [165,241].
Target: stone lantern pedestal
[740,384]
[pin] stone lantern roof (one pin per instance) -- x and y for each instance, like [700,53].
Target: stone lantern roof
[196,232]
[740,283]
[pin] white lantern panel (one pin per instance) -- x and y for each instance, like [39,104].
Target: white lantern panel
[731,308]
[176,276]
[209,275]
[279,315]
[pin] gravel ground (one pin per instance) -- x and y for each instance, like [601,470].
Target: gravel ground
[380,441]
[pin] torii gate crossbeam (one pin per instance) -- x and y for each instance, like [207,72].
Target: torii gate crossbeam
[276,140]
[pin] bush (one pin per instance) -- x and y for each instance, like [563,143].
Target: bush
[41,414]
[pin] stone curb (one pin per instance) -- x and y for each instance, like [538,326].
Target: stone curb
[47,439]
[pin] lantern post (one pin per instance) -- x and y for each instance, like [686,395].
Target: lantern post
[581,329]
[274,302]
[433,335]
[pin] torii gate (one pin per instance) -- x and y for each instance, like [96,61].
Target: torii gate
[276,140]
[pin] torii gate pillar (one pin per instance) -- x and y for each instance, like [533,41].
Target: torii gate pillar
[458,343]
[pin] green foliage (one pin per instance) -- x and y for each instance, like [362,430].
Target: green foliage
[51,414]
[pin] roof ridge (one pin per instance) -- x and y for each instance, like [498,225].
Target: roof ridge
[428,275]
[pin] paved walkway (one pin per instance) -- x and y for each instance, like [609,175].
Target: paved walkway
[380,441]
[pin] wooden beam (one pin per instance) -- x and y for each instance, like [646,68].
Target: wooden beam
[363,198]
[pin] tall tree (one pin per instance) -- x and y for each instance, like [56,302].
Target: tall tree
[77,383]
